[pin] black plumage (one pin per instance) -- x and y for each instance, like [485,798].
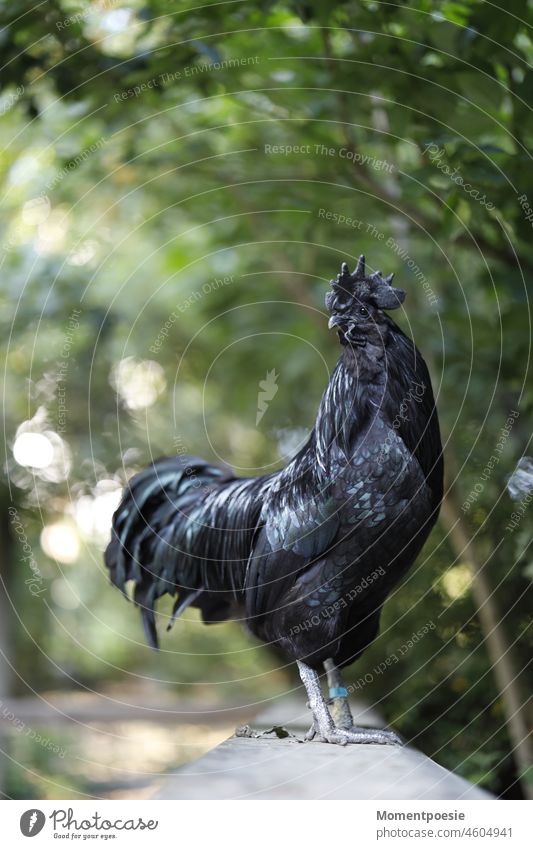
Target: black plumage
[293,553]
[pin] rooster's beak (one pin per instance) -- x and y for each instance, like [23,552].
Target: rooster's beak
[334,321]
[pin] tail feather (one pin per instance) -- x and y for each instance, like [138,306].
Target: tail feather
[144,599]
[150,498]
[183,527]
[185,599]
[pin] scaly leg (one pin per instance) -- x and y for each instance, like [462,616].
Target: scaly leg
[340,706]
[323,725]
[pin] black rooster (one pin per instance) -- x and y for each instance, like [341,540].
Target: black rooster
[308,555]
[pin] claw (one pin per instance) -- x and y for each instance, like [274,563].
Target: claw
[313,731]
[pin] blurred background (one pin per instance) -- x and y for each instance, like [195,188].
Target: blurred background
[179,184]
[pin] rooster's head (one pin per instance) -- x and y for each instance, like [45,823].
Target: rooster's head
[356,304]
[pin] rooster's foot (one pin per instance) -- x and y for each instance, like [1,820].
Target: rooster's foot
[337,726]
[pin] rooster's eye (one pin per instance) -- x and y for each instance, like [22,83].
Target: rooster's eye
[363,311]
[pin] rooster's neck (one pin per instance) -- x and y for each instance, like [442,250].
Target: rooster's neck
[354,395]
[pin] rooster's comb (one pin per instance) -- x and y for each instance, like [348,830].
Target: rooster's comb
[373,287]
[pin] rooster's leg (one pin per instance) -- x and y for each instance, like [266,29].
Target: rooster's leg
[323,725]
[340,706]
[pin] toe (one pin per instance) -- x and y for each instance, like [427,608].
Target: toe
[340,738]
[361,736]
[372,735]
[394,739]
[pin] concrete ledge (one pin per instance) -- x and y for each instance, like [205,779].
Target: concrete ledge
[271,768]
